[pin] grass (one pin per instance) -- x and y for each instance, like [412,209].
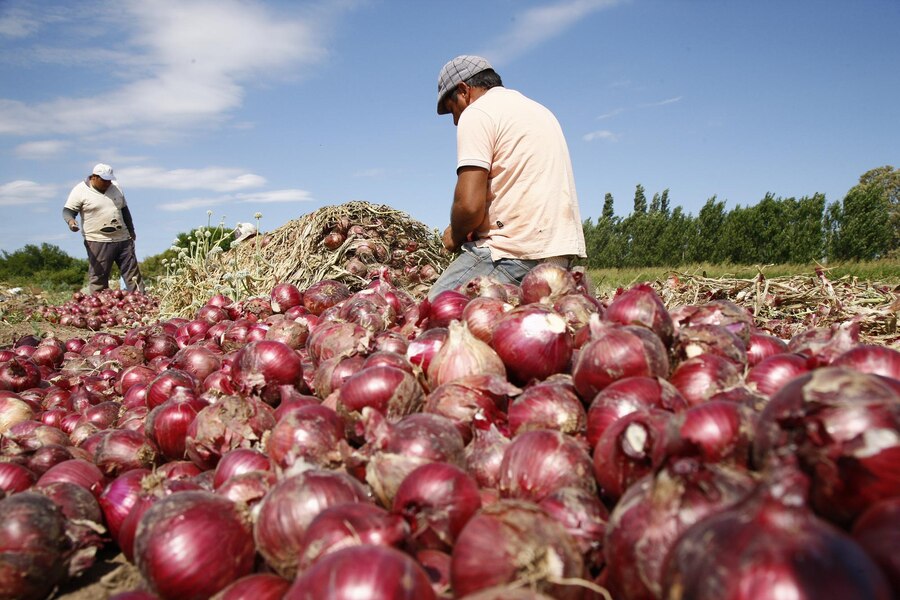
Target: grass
[879,271]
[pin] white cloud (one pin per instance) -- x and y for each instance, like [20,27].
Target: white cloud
[611,113]
[42,149]
[602,134]
[661,102]
[218,179]
[537,25]
[176,64]
[286,195]
[17,23]
[23,192]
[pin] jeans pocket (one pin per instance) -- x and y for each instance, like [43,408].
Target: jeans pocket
[515,269]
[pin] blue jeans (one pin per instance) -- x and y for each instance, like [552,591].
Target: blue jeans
[473,262]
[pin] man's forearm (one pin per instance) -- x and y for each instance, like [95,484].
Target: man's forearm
[69,215]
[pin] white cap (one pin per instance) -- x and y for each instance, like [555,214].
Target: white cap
[244,231]
[104,172]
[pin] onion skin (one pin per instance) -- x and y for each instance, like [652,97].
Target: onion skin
[631,448]
[626,396]
[615,352]
[484,455]
[32,546]
[289,508]
[391,391]
[546,280]
[463,355]
[772,373]
[230,423]
[539,463]
[703,376]
[762,346]
[654,511]
[119,497]
[15,478]
[514,541]
[351,524]
[311,434]
[363,572]
[193,544]
[584,516]
[641,305]
[843,426]
[533,342]
[238,461]
[260,367]
[469,398]
[770,541]
[258,586]
[548,405]
[878,531]
[878,360]
[437,500]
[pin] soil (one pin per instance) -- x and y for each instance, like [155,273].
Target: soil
[111,574]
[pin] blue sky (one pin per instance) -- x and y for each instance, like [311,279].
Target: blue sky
[282,107]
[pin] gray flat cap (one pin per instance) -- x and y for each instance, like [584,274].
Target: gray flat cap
[457,70]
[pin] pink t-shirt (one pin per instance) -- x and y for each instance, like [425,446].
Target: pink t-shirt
[532,205]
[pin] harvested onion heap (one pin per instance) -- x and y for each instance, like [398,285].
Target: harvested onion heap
[498,442]
[103,310]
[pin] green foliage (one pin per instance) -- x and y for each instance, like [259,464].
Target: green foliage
[46,266]
[864,226]
[202,238]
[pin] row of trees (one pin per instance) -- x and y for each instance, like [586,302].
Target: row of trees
[47,266]
[865,225]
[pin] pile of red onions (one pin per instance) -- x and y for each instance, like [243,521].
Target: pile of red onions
[499,441]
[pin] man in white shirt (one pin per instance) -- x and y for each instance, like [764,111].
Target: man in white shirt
[107,226]
[515,203]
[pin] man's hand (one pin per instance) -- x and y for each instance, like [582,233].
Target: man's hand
[447,239]
[73,225]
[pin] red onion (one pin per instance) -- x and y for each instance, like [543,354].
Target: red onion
[437,500]
[48,354]
[15,478]
[396,449]
[285,296]
[19,373]
[468,398]
[868,358]
[33,546]
[538,463]
[547,280]
[446,307]
[324,294]
[703,376]
[484,455]
[77,470]
[389,390]
[290,332]
[576,308]
[422,349]
[238,461]
[364,571]
[351,524]
[258,586]
[514,541]
[292,400]
[641,305]
[766,545]
[83,523]
[462,355]
[715,431]
[230,423]
[629,449]
[289,508]
[167,425]
[193,544]
[134,375]
[310,435]
[260,367]
[843,426]
[877,530]
[335,338]
[121,450]
[654,511]
[616,352]
[369,310]
[583,516]
[762,346]
[119,497]
[248,488]
[331,373]
[548,405]
[628,395]
[159,345]
[770,374]
[482,313]
[47,456]
[199,361]
[164,385]
[533,342]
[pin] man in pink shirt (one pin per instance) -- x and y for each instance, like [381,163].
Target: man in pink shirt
[515,204]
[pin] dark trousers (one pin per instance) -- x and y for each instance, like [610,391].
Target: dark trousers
[102,255]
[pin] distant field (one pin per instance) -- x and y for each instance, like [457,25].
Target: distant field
[886,272]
